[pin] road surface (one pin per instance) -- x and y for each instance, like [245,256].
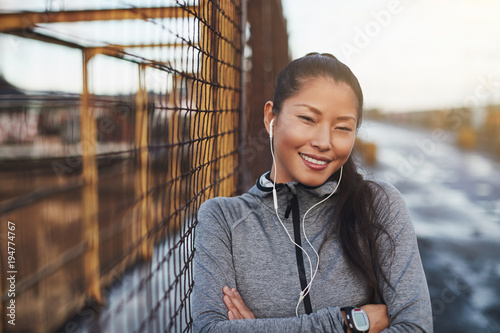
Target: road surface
[454,200]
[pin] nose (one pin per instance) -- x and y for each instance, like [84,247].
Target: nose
[322,139]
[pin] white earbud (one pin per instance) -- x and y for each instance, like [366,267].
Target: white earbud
[271,128]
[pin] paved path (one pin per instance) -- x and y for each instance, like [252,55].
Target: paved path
[454,200]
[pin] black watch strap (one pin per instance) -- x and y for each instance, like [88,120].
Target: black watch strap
[347,311]
[344,327]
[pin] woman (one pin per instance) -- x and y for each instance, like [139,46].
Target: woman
[312,238]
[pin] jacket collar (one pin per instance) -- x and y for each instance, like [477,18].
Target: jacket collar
[264,186]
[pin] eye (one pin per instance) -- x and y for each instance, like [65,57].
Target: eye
[345,128]
[307,118]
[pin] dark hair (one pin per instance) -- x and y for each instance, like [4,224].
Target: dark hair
[358,229]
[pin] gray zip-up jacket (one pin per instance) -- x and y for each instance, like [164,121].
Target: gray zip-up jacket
[239,242]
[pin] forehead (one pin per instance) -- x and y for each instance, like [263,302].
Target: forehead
[327,96]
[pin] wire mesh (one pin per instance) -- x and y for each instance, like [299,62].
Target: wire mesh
[104,183]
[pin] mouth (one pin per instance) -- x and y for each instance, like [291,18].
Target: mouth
[313,160]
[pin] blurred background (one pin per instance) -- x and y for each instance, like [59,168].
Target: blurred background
[119,118]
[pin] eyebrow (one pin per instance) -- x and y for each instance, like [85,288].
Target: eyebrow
[314,110]
[346,118]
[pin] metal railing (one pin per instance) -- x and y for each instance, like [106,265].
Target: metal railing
[102,185]
[107,186]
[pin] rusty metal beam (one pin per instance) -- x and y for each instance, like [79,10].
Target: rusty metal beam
[28,33]
[113,50]
[109,51]
[119,46]
[27,20]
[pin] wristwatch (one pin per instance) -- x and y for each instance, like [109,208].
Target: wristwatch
[357,319]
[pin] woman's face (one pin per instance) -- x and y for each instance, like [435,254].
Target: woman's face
[314,133]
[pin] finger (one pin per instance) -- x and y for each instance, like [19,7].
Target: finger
[231,315]
[232,312]
[230,304]
[241,311]
[235,298]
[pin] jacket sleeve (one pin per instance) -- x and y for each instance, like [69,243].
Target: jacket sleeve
[213,269]
[407,298]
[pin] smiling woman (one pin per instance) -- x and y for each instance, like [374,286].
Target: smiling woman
[314,132]
[355,269]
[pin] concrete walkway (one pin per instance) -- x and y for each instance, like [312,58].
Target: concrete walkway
[454,200]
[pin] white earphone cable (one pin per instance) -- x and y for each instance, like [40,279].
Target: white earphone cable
[275,199]
[308,287]
[306,290]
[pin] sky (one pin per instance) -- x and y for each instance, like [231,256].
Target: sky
[408,55]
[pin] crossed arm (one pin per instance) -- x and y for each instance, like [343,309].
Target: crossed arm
[408,302]
[236,309]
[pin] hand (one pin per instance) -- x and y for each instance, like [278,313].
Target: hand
[377,314]
[235,305]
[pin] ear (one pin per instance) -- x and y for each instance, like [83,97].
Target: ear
[268,115]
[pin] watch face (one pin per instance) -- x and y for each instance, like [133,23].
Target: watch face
[360,320]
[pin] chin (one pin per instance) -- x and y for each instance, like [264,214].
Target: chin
[313,182]
[315,179]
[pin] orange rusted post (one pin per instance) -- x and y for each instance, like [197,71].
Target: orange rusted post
[207,96]
[90,205]
[141,172]
[228,77]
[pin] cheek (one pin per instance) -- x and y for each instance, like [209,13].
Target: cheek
[344,146]
[289,140]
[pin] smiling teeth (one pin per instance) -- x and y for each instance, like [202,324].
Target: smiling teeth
[312,160]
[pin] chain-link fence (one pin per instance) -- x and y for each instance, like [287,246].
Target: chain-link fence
[100,184]
[105,180]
